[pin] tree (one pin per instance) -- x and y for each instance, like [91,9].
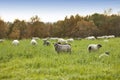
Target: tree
[35,19]
[37,28]
[84,29]
[114,25]
[3,29]
[18,29]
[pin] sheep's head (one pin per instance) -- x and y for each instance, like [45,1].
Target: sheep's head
[56,46]
[90,48]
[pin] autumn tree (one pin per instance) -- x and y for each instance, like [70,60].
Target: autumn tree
[114,25]
[18,29]
[38,28]
[3,29]
[58,29]
[84,29]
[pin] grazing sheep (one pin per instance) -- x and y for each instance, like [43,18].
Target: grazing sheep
[15,42]
[104,54]
[62,41]
[62,48]
[45,42]
[111,36]
[94,47]
[70,40]
[90,38]
[106,37]
[33,42]
[54,38]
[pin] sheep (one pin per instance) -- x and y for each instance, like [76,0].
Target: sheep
[90,38]
[15,42]
[62,48]
[111,36]
[62,41]
[70,40]
[94,47]
[104,54]
[106,37]
[33,42]
[54,38]
[46,42]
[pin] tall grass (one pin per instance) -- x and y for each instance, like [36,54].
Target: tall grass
[27,62]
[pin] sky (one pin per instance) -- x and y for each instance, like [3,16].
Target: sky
[53,10]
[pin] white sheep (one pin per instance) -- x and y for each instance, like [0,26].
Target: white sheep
[111,36]
[15,42]
[70,40]
[33,42]
[90,38]
[62,41]
[54,38]
[106,37]
[94,47]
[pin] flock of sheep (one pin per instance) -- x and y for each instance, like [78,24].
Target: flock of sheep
[63,45]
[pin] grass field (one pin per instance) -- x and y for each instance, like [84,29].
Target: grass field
[27,62]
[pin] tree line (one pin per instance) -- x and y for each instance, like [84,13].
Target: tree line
[74,26]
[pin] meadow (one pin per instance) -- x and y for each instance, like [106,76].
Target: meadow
[27,62]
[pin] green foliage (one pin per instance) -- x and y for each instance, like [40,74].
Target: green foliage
[28,62]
